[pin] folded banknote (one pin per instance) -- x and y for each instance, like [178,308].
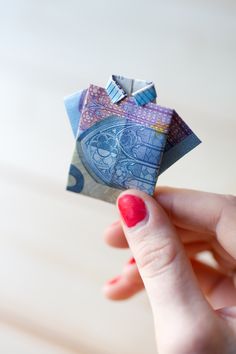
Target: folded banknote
[123,138]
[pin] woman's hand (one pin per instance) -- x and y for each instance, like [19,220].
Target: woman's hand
[163,233]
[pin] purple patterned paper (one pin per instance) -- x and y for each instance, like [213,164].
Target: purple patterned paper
[99,106]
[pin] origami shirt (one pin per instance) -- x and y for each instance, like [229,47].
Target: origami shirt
[123,139]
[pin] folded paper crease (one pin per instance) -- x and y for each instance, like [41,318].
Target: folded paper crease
[123,138]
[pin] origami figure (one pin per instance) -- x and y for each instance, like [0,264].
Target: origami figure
[123,138]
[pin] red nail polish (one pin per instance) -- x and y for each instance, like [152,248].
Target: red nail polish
[132,261]
[114,280]
[132,209]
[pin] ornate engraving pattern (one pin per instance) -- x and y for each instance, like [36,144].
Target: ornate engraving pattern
[122,154]
[98,106]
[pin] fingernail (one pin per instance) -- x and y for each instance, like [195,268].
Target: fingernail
[114,280]
[132,209]
[131,261]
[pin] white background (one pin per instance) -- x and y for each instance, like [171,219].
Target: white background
[53,261]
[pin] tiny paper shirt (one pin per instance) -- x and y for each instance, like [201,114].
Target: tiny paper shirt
[123,138]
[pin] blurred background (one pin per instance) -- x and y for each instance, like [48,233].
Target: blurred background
[53,261]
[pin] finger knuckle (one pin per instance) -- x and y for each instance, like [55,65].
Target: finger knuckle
[155,257]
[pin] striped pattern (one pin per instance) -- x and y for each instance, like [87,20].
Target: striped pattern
[114,91]
[145,96]
[142,97]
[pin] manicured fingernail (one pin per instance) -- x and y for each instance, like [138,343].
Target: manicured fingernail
[114,280]
[131,261]
[132,209]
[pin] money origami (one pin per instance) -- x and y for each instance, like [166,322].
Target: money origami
[123,138]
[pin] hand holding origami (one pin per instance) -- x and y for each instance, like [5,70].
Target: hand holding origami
[190,315]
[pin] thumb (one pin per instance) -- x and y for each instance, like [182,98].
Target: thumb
[170,283]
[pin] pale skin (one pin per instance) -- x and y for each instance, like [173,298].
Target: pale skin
[193,304]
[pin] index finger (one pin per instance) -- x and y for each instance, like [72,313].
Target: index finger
[202,212]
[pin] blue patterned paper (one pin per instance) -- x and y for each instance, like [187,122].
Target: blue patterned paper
[74,105]
[115,91]
[122,154]
[119,87]
[121,141]
[146,95]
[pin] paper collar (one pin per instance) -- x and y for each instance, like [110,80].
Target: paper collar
[119,87]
